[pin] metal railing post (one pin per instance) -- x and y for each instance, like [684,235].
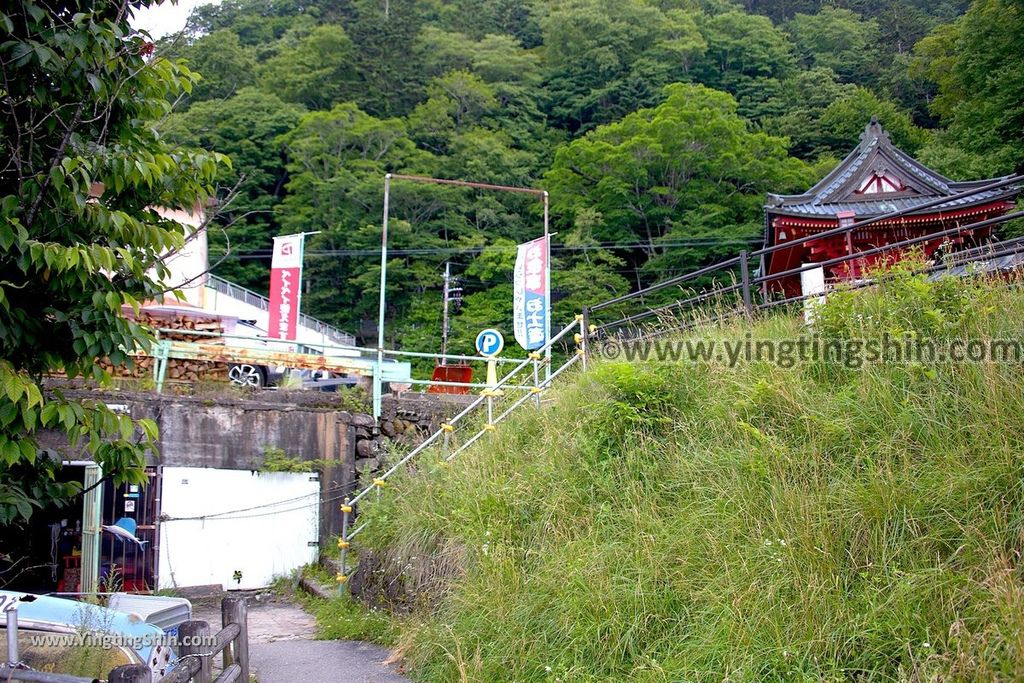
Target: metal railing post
[163,354]
[343,544]
[446,443]
[582,317]
[745,279]
[13,657]
[536,390]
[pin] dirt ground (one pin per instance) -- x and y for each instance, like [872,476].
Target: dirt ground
[271,618]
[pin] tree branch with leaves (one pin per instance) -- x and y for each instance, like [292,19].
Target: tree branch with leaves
[79,89]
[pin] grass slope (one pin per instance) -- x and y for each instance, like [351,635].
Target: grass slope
[691,522]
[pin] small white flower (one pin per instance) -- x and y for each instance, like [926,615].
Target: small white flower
[926,644]
[548,669]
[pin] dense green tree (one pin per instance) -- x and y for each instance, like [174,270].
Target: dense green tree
[225,64]
[688,168]
[79,239]
[822,116]
[797,109]
[590,44]
[387,82]
[256,22]
[840,40]
[746,56]
[313,69]
[978,65]
[478,18]
[843,121]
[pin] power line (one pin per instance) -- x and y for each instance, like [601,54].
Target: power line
[424,251]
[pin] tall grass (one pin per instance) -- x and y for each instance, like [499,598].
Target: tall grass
[694,522]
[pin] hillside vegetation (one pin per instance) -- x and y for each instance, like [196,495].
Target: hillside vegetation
[658,126]
[693,522]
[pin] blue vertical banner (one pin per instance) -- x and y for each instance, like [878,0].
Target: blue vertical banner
[531,291]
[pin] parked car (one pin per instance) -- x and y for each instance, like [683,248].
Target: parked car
[93,636]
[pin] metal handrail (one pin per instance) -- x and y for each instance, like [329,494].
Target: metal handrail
[748,283]
[888,247]
[486,399]
[841,230]
[261,302]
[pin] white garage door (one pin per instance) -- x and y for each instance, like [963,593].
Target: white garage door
[236,528]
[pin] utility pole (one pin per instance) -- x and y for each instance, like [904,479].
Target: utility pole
[452,297]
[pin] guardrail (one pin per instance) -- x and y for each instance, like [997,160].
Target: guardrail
[216,347]
[261,302]
[738,295]
[195,659]
[491,404]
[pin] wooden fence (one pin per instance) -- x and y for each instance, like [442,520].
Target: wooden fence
[195,655]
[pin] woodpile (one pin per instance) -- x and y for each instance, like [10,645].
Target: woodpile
[178,370]
[185,323]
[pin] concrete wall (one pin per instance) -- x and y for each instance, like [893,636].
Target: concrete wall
[233,433]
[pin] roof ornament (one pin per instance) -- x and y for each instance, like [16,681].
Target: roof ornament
[873,131]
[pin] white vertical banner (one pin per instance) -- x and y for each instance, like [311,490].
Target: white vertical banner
[530,294]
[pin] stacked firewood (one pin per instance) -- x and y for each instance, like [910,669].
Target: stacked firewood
[180,370]
[185,323]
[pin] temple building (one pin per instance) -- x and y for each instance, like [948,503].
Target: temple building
[876,178]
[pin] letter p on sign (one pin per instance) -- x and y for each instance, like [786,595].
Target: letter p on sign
[489,343]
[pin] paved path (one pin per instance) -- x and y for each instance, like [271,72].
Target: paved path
[283,649]
[321,661]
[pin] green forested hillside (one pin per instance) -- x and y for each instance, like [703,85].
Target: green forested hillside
[657,126]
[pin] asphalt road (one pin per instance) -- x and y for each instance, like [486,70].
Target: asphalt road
[321,661]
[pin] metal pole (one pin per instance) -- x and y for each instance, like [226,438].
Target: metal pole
[302,269]
[547,283]
[12,635]
[745,278]
[92,520]
[584,333]
[764,285]
[343,543]
[383,295]
[536,380]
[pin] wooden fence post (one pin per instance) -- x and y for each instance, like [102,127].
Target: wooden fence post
[130,673]
[196,643]
[233,610]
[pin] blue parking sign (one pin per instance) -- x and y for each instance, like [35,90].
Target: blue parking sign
[489,342]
